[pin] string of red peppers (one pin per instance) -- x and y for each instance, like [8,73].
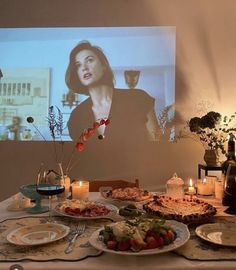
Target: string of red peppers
[89,133]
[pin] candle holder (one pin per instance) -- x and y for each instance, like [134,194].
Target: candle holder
[206,187]
[191,191]
[80,190]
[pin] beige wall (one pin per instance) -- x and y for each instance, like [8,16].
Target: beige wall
[205,71]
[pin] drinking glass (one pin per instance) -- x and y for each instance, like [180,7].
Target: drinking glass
[48,187]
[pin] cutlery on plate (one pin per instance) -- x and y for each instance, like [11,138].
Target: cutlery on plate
[79,230]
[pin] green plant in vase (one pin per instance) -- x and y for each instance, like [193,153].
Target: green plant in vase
[212,131]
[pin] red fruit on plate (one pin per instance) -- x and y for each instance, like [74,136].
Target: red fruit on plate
[160,241]
[111,244]
[151,242]
[80,146]
[124,245]
[96,125]
[170,235]
[153,233]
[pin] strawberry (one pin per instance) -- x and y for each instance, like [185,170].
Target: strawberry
[151,242]
[80,146]
[170,235]
[154,234]
[96,124]
[160,241]
[124,245]
[111,244]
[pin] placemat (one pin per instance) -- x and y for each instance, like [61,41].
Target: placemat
[54,250]
[199,249]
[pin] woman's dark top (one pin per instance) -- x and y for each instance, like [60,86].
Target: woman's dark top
[128,117]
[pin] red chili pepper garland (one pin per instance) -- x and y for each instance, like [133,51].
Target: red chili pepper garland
[89,133]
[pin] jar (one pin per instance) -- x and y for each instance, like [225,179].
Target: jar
[175,187]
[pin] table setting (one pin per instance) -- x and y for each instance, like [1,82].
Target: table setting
[71,230]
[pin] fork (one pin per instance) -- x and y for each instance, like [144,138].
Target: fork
[79,230]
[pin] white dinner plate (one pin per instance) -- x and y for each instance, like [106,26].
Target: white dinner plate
[113,211]
[218,233]
[182,237]
[37,234]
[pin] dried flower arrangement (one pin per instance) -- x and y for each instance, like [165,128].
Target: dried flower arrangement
[56,127]
[211,130]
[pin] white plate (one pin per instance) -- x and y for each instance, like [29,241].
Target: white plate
[182,237]
[37,234]
[218,233]
[113,211]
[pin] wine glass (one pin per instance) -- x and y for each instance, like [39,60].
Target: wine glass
[49,187]
[229,196]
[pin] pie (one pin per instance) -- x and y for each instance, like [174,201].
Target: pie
[184,210]
[129,194]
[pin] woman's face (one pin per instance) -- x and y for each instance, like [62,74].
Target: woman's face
[89,67]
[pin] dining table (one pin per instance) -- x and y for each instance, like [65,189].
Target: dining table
[109,261]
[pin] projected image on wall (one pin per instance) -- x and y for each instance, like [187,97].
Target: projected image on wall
[126,74]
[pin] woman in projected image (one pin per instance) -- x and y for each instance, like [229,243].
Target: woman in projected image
[131,111]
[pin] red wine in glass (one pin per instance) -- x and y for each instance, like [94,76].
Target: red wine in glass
[50,190]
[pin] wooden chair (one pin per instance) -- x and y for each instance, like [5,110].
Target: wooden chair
[95,185]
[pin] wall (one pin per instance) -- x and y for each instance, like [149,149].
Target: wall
[205,73]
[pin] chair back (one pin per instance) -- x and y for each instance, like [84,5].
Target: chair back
[95,185]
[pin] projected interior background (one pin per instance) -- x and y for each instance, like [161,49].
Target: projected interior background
[34,62]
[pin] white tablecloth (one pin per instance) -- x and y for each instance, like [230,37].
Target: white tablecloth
[107,261]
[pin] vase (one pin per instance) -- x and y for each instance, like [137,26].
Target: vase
[211,157]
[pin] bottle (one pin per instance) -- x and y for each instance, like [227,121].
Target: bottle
[230,154]
[228,187]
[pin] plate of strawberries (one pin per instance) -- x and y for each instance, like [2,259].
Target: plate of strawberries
[140,236]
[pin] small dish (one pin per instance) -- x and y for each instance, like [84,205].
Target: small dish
[37,234]
[218,233]
[15,208]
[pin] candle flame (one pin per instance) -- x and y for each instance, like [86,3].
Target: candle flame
[80,183]
[204,180]
[190,182]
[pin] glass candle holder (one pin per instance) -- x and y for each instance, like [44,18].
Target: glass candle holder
[206,187]
[175,187]
[80,190]
[219,189]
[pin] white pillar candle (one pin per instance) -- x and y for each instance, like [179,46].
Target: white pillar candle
[191,188]
[80,190]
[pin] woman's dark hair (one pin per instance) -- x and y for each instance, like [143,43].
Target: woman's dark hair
[72,80]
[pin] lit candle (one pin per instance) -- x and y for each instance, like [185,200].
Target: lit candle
[80,190]
[191,188]
[205,186]
[67,185]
